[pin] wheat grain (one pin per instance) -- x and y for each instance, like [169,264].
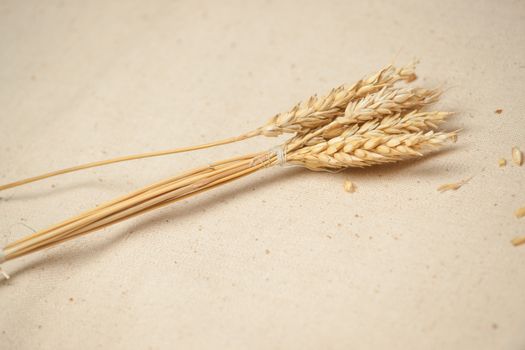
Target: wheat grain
[516,241]
[349,186]
[517,156]
[520,212]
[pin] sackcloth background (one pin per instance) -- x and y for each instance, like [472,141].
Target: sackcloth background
[283,259]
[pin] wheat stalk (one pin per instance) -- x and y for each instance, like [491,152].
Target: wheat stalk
[312,113]
[370,123]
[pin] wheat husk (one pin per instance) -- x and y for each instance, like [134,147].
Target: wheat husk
[452,186]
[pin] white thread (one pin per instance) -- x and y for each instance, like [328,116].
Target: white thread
[280,153]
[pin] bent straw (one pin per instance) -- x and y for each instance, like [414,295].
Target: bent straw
[127,158]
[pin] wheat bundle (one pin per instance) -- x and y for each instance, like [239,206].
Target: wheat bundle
[371,122]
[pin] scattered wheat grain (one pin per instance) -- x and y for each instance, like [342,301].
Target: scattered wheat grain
[516,241]
[349,186]
[520,212]
[517,156]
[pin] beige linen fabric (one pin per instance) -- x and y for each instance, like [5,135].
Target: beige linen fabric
[284,259]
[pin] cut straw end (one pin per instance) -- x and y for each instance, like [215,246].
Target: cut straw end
[2,259]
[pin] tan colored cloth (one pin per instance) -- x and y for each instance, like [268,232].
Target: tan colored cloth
[284,259]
